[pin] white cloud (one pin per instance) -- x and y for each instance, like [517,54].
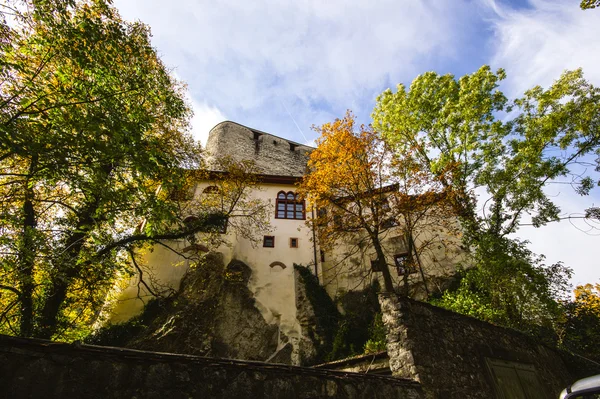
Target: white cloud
[205,118]
[535,45]
[242,56]
[572,241]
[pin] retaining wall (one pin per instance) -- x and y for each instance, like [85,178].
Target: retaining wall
[43,369]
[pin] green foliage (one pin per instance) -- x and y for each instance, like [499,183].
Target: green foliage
[355,327]
[476,140]
[511,287]
[120,334]
[582,322]
[471,135]
[92,142]
[326,313]
[377,336]
[339,336]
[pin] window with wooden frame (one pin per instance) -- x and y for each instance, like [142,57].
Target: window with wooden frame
[289,206]
[293,242]
[401,263]
[269,242]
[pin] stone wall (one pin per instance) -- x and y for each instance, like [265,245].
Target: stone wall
[44,369]
[452,355]
[271,154]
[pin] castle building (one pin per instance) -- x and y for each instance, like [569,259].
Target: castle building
[271,256]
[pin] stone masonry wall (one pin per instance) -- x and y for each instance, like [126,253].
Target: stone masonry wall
[272,155]
[447,352]
[43,369]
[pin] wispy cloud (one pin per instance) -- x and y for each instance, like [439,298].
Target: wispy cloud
[321,56]
[535,45]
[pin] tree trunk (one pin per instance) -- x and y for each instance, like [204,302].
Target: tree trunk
[67,271]
[27,256]
[413,248]
[387,277]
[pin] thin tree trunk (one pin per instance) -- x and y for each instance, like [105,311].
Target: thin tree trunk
[67,271]
[418,258]
[27,256]
[387,277]
[67,268]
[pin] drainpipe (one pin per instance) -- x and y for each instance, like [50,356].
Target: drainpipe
[312,212]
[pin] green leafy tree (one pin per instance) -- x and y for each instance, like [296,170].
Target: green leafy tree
[92,141]
[582,323]
[513,287]
[475,139]
[469,130]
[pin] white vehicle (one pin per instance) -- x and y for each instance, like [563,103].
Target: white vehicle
[586,388]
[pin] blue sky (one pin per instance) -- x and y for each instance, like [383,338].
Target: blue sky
[282,67]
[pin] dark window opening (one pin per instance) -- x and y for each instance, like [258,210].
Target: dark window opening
[289,206]
[257,135]
[293,147]
[375,266]
[269,242]
[293,243]
[401,263]
[183,194]
[389,223]
[211,190]
[322,255]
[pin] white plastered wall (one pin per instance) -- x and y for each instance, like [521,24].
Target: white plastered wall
[273,286]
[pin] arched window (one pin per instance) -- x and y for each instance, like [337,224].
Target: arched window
[289,206]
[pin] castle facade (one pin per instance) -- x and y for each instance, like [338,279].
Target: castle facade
[290,240]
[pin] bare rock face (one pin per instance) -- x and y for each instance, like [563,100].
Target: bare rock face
[213,314]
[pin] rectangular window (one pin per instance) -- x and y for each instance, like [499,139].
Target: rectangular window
[293,243]
[375,265]
[269,242]
[401,262]
[299,211]
[281,210]
[322,255]
[389,223]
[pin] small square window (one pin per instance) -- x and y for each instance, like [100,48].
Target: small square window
[375,265]
[293,243]
[269,242]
